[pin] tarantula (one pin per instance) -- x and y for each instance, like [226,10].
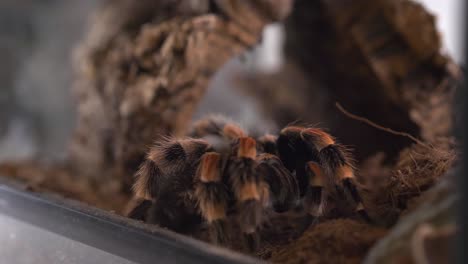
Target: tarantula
[220,174]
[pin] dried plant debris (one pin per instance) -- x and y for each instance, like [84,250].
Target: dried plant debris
[389,192]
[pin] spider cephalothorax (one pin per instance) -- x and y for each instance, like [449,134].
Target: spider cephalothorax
[222,177]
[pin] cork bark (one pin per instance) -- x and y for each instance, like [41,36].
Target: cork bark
[379,59]
[145,65]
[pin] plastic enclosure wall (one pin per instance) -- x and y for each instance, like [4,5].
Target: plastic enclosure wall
[43,229]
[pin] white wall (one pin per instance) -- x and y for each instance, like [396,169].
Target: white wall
[450,21]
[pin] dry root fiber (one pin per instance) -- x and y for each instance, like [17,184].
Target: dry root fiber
[388,192]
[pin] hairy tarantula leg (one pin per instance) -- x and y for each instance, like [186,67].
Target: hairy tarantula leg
[164,156]
[248,190]
[350,186]
[267,144]
[167,157]
[140,211]
[251,241]
[336,163]
[335,159]
[166,178]
[147,178]
[282,185]
[216,125]
[212,196]
[294,154]
[315,196]
[344,173]
[290,147]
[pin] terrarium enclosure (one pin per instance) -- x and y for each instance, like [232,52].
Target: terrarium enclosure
[286,131]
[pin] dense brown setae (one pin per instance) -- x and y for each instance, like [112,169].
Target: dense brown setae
[222,178]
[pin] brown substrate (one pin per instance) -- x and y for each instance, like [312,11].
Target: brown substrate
[61,180]
[334,241]
[388,192]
